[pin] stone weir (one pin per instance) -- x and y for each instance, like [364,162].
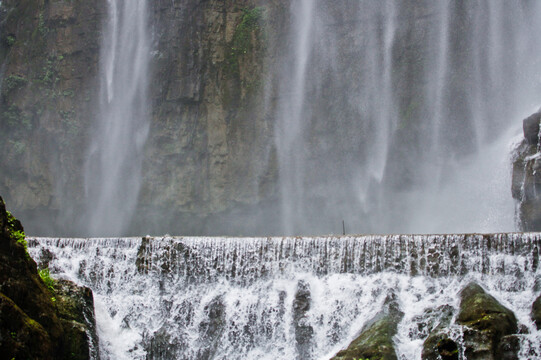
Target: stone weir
[468,296]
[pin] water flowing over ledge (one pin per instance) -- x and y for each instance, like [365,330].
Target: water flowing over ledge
[237,298]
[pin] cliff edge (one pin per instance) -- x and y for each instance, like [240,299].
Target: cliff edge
[39,320]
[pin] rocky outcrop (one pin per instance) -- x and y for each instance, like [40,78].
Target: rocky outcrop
[376,338]
[75,308]
[526,179]
[36,321]
[536,312]
[487,330]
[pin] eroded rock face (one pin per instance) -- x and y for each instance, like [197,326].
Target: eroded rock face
[31,325]
[526,180]
[376,338]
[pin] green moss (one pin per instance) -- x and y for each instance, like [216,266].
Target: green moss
[13,82]
[15,118]
[16,234]
[242,38]
[10,40]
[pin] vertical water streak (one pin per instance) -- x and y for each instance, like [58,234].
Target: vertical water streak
[402,121]
[113,169]
[289,125]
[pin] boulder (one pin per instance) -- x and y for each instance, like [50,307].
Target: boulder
[438,345]
[376,338]
[485,322]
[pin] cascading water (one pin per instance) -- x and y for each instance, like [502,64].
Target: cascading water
[113,170]
[289,126]
[286,298]
[406,114]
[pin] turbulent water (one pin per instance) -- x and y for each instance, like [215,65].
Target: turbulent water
[238,298]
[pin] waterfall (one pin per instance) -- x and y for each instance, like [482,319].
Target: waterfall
[113,169]
[398,116]
[237,298]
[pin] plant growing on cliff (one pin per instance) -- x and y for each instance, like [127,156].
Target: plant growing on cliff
[17,235]
[45,275]
[13,82]
[242,38]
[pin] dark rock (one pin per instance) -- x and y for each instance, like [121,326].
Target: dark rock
[530,126]
[303,331]
[75,306]
[143,261]
[160,346]
[536,312]
[212,328]
[376,338]
[486,322]
[31,325]
[509,347]
[438,344]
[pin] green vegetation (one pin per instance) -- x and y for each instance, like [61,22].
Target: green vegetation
[48,280]
[15,118]
[43,30]
[10,40]
[13,82]
[17,235]
[242,39]
[250,21]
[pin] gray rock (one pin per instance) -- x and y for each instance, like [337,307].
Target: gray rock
[530,126]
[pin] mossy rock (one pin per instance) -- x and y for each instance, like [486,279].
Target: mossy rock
[376,338]
[481,311]
[20,336]
[486,322]
[37,321]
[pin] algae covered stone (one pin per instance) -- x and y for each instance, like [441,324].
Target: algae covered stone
[376,338]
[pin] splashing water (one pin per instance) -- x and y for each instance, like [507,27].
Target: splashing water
[237,298]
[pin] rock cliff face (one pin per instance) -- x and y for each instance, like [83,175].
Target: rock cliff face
[39,321]
[208,69]
[49,52]
[526,183]
[222,79]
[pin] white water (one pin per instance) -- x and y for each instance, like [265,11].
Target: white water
[255,281]
[113,169]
